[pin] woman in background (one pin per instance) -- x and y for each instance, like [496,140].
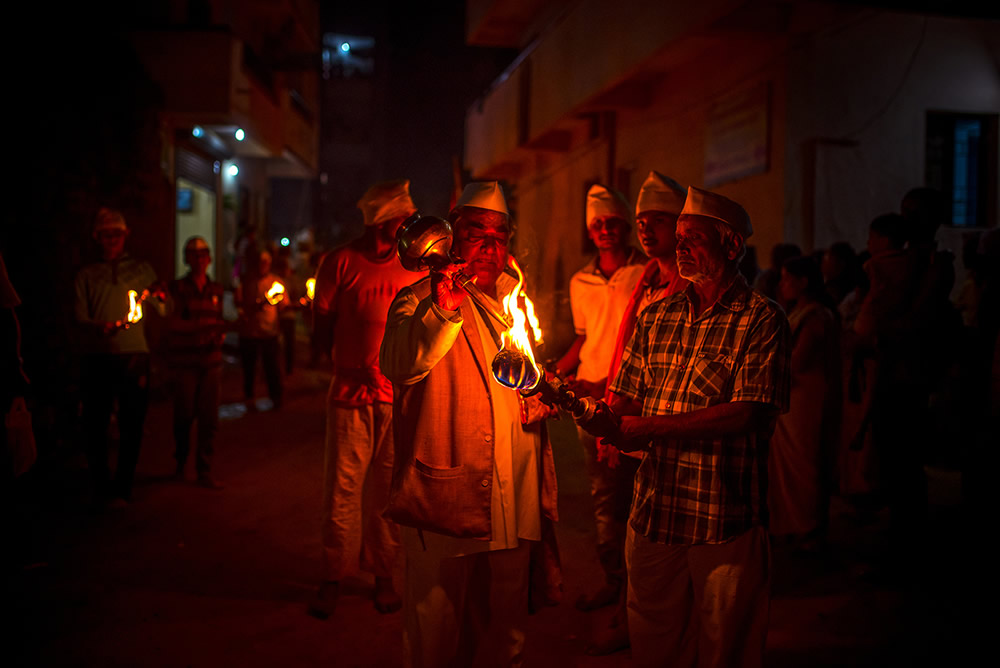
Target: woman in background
[800,465]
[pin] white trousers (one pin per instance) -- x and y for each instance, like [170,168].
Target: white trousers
[698,605]
[357,473]
[464,611]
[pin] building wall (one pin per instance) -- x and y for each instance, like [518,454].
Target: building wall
[200,221]
[848,94]
[667,135]
[550,206]
[670,135]
[859,95]
[598,42]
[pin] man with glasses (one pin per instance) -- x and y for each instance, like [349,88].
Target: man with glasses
[195,330]
[473,488]
[598,296]
[115,360]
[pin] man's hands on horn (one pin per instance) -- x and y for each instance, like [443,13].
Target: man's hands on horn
[445,291]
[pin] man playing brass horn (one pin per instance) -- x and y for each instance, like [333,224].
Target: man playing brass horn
[472,487]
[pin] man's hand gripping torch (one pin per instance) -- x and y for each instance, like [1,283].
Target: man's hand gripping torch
[593,415]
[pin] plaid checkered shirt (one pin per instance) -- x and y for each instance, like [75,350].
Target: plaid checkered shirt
[695,491]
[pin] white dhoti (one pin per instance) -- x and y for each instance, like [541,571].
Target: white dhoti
[357,473]
[698,605]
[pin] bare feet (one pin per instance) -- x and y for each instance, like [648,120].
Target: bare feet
[386,598]
[324,602]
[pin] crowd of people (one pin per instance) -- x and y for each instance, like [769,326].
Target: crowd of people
[732,405]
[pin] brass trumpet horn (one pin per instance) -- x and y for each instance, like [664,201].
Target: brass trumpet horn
[424,243]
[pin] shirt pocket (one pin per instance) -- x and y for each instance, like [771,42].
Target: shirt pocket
[711,376]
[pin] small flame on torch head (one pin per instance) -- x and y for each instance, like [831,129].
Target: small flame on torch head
[275,293]
[311,288]
[514,366]
[134,307]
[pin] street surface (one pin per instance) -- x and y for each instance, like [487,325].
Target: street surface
[187,576]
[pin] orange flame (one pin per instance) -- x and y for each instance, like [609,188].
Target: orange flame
[134,307]
[275,294]
[311,288]
[517,336]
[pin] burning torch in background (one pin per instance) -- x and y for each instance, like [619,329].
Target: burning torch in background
[274,294]
[135,301]
[310,291]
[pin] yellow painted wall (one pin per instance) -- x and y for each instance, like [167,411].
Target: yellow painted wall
[199,222]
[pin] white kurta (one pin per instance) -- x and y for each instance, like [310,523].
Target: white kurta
[466,599]
[515,503]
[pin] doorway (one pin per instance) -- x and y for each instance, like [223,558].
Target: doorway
[195,217]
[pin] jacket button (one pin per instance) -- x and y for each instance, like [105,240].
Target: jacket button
[488,438]
[485,483]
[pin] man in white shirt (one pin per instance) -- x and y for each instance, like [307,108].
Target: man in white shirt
[599,294]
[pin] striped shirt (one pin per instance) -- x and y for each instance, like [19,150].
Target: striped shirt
[196,323]
[695,491]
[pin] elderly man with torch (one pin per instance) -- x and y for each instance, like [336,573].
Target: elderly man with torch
[115,364]
[473,486]
[700,385]
[353,289]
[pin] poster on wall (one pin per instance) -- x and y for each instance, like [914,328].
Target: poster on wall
[185,200]
[736,136]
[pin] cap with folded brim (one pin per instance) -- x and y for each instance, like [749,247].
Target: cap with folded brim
[109,219]
[660,193]
[604,201]
[386,201]
[484,195]
[711,205]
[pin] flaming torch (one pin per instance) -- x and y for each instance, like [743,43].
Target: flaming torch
[514,365]
[134,314]
[275,293]
[424,242]
[135,306]
[310,292]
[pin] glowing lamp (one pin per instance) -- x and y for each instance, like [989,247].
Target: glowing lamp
[134,307]
[275,293]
